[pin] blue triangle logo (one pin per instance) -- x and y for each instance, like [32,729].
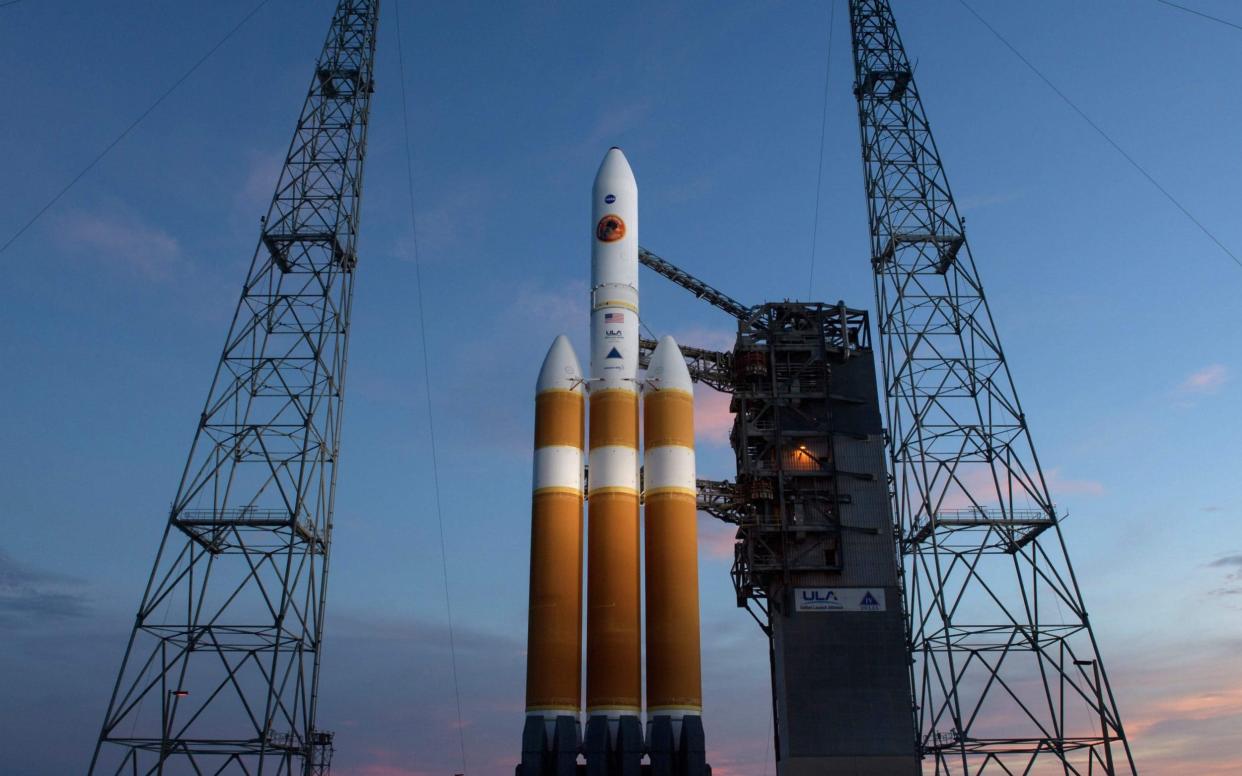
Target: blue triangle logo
[613,354]
[869,600]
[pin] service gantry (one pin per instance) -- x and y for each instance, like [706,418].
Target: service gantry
[815,561]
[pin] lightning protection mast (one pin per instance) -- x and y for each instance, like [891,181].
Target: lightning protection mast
[222,668]
[1006,671]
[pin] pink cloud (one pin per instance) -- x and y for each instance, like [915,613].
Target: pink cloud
[715,537]
[1061,485]
[1182,706]
[705,338]
[380,769]
[977,481]
[1197,705]
[1209,379]
[712,419]
[381,762]
[973,481]
[1188,732]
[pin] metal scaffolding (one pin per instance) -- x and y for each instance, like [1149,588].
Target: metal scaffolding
[1007,674]
[222,668]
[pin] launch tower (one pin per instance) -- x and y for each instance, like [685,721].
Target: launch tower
[221,673]
[1008,676]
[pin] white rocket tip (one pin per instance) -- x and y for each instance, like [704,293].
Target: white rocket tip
[668,369]
[615,170]
[560,370]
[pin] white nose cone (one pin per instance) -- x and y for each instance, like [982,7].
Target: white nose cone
[668,370]
[615,176]
[560,370]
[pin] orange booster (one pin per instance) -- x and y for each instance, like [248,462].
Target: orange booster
[554,633]
[674,672]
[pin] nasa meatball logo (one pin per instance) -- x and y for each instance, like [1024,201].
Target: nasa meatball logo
[610,228]
[611,198]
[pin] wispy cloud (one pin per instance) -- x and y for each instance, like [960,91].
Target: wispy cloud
[1233,580]
[560,309]
[706,338]
[445,226]
[716,539]
[712,418]
[121,240]
[611,123]
[1210,379]
[969,203]
[1186,709]
[28,594]
[975,485]
[1059,484]
[261,178]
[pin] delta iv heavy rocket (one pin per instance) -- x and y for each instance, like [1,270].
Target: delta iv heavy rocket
[614,740]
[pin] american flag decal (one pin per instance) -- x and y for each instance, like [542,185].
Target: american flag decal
[614,317]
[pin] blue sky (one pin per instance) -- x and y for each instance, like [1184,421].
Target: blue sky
[1119,318]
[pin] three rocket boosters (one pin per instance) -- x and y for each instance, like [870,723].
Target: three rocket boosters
[614,741]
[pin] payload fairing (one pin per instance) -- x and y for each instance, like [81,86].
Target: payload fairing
[614,741]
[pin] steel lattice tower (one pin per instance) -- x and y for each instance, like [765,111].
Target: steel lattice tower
[1007,673]
[222,668]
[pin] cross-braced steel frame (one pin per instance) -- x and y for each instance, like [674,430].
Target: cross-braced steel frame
[222,668]
[1007,673]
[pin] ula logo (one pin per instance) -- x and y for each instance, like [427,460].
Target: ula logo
[821,596]
[825,599]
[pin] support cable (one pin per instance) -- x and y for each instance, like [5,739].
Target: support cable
[1225,22]
[132,125]
[823,129]
[431,426]
[1099,130]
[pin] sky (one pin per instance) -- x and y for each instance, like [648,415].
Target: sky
[1118,316]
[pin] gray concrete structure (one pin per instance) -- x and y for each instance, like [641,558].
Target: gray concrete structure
[816,558]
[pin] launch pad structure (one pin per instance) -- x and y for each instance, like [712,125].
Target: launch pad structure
[909,568]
